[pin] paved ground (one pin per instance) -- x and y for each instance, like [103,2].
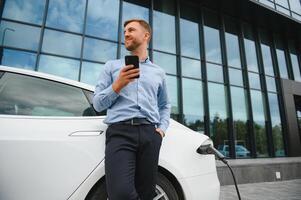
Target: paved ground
[280,190]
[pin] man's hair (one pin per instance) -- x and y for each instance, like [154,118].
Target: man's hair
[143,23]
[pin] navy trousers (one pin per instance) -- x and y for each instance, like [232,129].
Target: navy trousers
[131,161]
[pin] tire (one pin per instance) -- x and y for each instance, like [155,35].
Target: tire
[98,192]
[164,190]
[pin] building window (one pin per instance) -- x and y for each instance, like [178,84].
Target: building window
[281,57]
[67,68]
[250,49]
[102,19]
[19,35]
[193,104]
[212,38]
[66,15]
[99,50]
[218,114]
[276,125]
[259,119]
[19,59]
[191,68]
[240,117]
[60,43]
[90,72]
[167,61]
[164,38]
[172,89]
[30,11]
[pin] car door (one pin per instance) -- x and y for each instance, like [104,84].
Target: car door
[50,138]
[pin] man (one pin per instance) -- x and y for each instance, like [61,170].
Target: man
[138,112]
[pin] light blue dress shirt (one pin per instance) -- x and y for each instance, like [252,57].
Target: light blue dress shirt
[146,97]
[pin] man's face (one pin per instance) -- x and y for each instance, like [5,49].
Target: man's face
[134,36]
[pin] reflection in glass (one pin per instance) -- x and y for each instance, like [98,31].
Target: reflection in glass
[212,45]
[123,52]
[283,3]
[40,97]
[164,32]
[233,54]
[90,72]
[295,66]
[214,72]
[267,60]
[166,61]
[281,63]
[99,50]
[296,16]
[67,68]
[133,11]
[172,89]
[254,80]
[102,19]
[276,125]
[295,6]
[66,15]
[191,68]
[259,123]
[235,77]
[190,44]
[251,56]
[271,84]
[218,114]
[19,59]
[267,2]
[193,104]
[23,36]
[61,43]
[27,11]
[240,117]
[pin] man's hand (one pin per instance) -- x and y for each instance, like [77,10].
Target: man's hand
[160,132]
[126,75]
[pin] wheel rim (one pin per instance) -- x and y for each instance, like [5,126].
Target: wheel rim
[161,195]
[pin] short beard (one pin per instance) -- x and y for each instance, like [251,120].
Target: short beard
[133,46]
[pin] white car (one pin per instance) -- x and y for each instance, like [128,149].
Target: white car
[52,145]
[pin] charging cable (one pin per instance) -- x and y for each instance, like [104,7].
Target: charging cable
[209,149]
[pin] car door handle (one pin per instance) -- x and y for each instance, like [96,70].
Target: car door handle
[86,133]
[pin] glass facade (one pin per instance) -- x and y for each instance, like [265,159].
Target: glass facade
[290,8]
[223,73]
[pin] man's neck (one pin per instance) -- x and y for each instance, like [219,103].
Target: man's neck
[142,54]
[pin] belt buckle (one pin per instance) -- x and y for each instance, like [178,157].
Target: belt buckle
[133,123]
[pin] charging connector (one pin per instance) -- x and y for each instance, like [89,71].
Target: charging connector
[208,148]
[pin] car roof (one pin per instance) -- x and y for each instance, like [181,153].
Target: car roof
[48,77]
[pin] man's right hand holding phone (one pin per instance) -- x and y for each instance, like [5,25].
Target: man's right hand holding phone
[126,75]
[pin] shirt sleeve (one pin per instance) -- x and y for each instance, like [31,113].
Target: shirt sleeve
[164,106]
[104,95]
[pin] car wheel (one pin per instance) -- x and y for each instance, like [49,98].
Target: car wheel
[164,190]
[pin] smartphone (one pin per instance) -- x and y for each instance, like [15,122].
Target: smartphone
[132,60]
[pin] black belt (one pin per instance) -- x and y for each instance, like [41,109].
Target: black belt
[135,121]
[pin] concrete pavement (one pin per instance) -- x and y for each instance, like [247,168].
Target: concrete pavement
[279,190]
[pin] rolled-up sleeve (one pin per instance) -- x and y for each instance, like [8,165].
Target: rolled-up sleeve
[104,95]
[164,106]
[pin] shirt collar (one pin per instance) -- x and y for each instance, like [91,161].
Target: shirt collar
[147,60]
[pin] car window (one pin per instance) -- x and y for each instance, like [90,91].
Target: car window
[89,95]
[26,95]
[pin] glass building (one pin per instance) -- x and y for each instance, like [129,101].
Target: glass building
[233,67]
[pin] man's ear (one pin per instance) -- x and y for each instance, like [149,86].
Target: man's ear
[147,36]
